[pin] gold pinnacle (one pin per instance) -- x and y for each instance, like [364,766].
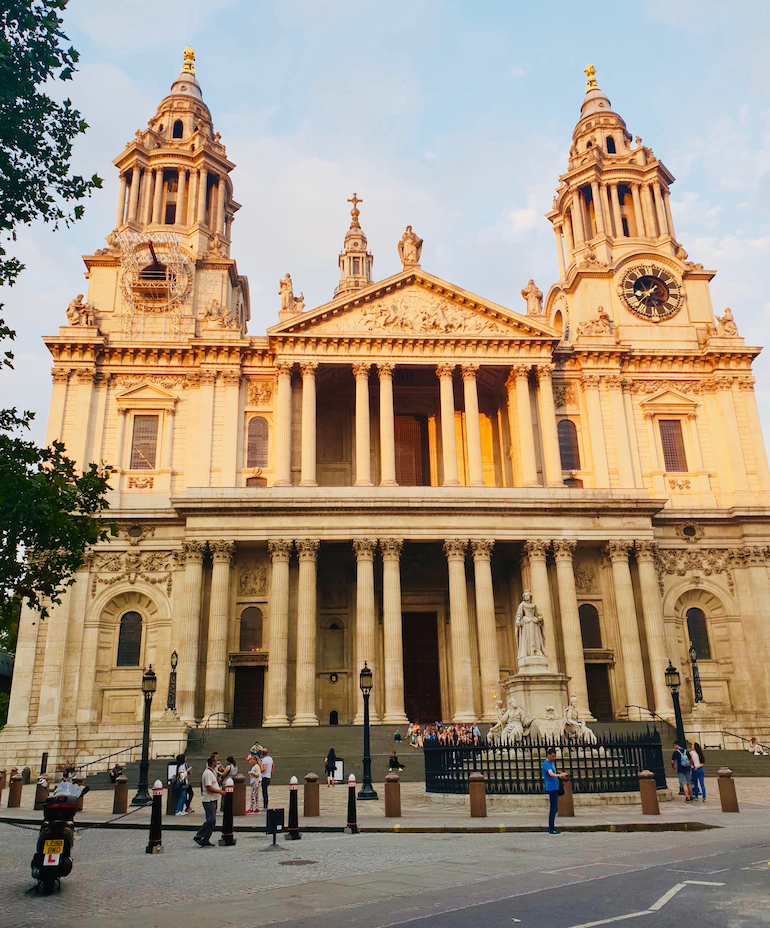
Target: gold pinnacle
[189,60]
[590,72]
[355,212]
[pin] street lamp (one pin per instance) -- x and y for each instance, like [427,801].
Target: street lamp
[696,675]
[171,700]
[149,685]
[673,682]
[365,681]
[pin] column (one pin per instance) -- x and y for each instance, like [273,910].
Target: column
[387,427]
[621,431]
[560,252]
[219,627]
[53,662]
[616,211]
[572,637]
[192,199]
[187,646]
[203,183]
[520,374]
[307,597]
[232,423]
[649,211]
[459,627]
[205,428]
[659,207]
[366,621]
[121,438]
[283,425]
[537,553]
[489,665]
[54,429]
[746,385]
[120,219]
[667,209]
[605,198]
[221,199]
[448,439]
[568,239]
[363,432]
[598,211]
[168,440]
[732,435]
[654,629]
[157,197]
[577,219]
[640,231]
[308,475]
[181,206]
[23,668]
[145,197]
[628,639]
[278,635]
[392,632]
[550,435]
[596,430]
[472,426]
[133,196]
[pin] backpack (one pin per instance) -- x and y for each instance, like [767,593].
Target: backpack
[684,759]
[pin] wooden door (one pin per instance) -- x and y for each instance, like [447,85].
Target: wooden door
[422,684]
[599,693]
[249,693]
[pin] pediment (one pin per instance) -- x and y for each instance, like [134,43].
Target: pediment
[146,396]
[669,402]
[416,306]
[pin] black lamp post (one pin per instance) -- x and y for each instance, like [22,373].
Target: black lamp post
[365,680]
[673,682]
[149,685]
[171,700]
[696,675]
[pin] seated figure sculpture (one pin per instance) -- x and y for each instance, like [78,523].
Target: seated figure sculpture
[574,726]
[515,725]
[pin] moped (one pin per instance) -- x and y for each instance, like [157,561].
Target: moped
[53,858]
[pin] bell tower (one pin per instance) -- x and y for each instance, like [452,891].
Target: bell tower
[355,261]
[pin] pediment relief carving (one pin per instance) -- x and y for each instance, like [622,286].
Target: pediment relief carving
[146,395]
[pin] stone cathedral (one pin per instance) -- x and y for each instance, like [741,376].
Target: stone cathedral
[380,478]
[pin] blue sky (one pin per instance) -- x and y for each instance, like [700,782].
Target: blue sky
[455,117]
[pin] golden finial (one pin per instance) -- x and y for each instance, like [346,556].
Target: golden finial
[189,60]
[354,212]
[590,72]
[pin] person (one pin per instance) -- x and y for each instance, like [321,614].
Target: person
[754,747]
[117,771]
[697,760]
[551,778]
[330,767]
[680,762]
[181,780]
[255,778]
[397,737]
[210,790]
[268,765]
[394,763]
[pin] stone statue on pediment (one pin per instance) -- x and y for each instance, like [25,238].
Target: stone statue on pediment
[80,313]
[534,297]
[286,291]
[726,324]
[410,248]
[574,726]
[530,628]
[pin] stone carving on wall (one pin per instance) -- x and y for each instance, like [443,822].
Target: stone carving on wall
[260,393]
[602,325]
[151,566]
[410,249]
[333,593]
[680,562]
[418,314]
[135,533]
[80,313]
[141,483]
[563,394]
[126,381]
[530,628]
[534,298]
[678,483]
[252,580]
[585,578]
[726,326]
[220,317]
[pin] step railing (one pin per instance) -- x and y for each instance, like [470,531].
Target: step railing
[199,738]
[158,749]
[721,740]
[650,715]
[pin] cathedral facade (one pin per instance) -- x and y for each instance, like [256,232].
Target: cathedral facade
[380,479]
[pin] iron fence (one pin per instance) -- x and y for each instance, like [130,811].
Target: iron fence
[611,765]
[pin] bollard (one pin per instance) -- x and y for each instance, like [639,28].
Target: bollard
[352,827]
[227,839]
[726,790]
[172,797]
[648,792]
[41,792]
[3,781]
[155,844]
[120,798]
[311,805]
[239,795]
[477,790]
[392,796]
[14,793]
[292,832]
[79,781]
[566,802]
[26,776]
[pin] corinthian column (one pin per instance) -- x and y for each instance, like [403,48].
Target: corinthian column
[537,553]
[528,467]
[391,626]
[472,426]
[307,598]
[308,477]
[448,440]
[219,621]
[366,620]
[283,425]
[459,625]
[489,664]
[278,637]
[363,433]
[629,640]
[551,453]
[187,669]
[570,623]
[387,427]
[654,629]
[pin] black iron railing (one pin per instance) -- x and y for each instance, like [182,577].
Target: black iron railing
[611,765]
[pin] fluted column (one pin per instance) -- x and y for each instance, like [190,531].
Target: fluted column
[669,217]
[283,425]
[181,206]
[598,211]
[387,427]
[307,605]
[459,626]
[190,632]
[203,183]
[604,195]
[628,639]
[649,211]
[218,641]
[640,230]
[363,429]
[308,475]
[657,197]
[568,239]
[572,637]
[550,435]
[489,663]
[392,632]
[366,620]
[618,216]
[557,230]
[596,430]
[278,635]
[221,200]
[654,629]
[472,425]
[528,464]
[133,195]
[622,434]
[168,440]
[577,219]
[157,197]
[448,440]
[120,219]
[537,554]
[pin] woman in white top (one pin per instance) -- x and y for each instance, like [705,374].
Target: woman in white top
[697,760]
[255,778]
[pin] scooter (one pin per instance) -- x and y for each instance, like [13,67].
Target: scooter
[53,858]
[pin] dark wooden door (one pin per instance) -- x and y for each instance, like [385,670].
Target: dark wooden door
[599,694]
[249,691]
[408,451]
[422,684]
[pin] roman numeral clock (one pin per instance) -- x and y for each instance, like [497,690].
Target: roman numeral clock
[651,292]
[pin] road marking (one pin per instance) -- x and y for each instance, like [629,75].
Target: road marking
[598,863]
[702,872]
[655,907]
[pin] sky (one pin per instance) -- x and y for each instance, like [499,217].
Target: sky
[453,116]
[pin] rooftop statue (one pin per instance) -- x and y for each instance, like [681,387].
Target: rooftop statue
[410,248]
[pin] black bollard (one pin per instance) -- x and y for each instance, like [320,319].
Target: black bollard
[352,828]
[227,839]
[155,845]
[292,833]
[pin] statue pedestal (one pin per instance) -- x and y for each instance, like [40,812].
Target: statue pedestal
[535,692]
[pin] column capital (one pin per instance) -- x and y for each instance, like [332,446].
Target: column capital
[61,375]
[364,548]
[385,369]
[192,552]
[391,548]
[222,551]
[307,548]
[231,378]
[591,381]
[308,368]
[614,381]
[645,550]
[445,370]
[208,377]
[520,371]
[482,549]
[280,550]
[361,369]
[536,550]
[469,371]
[563,549]
[454,549]
[544,372]
[283,367]
[618,550]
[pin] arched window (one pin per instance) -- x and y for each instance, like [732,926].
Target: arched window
[589,626]
[256,449]
[610,145]
[568,445]
[699,636]
[178,129]
[251,629]
[334,717]
[130,640]
[589,144]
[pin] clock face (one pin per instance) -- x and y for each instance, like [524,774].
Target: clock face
[651,292]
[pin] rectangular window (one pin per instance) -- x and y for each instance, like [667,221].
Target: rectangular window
[673,445]
[356,265]
[144,443]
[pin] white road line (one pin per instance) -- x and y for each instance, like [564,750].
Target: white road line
[666,897]
[655,907]
[598,863]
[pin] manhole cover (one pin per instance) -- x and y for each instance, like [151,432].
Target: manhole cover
[297,863]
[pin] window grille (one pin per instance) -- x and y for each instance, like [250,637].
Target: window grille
[256,453]
[130,640]
[144,444]
[568,445]
[673,445]
[699,636]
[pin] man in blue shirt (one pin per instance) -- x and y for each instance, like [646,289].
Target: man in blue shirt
[551,778]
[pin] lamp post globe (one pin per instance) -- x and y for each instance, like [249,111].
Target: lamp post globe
[149,685]
[366,681]
[673,682]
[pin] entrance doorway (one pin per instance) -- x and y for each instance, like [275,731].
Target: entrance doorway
[422,684]
[249,694]
[599,693]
